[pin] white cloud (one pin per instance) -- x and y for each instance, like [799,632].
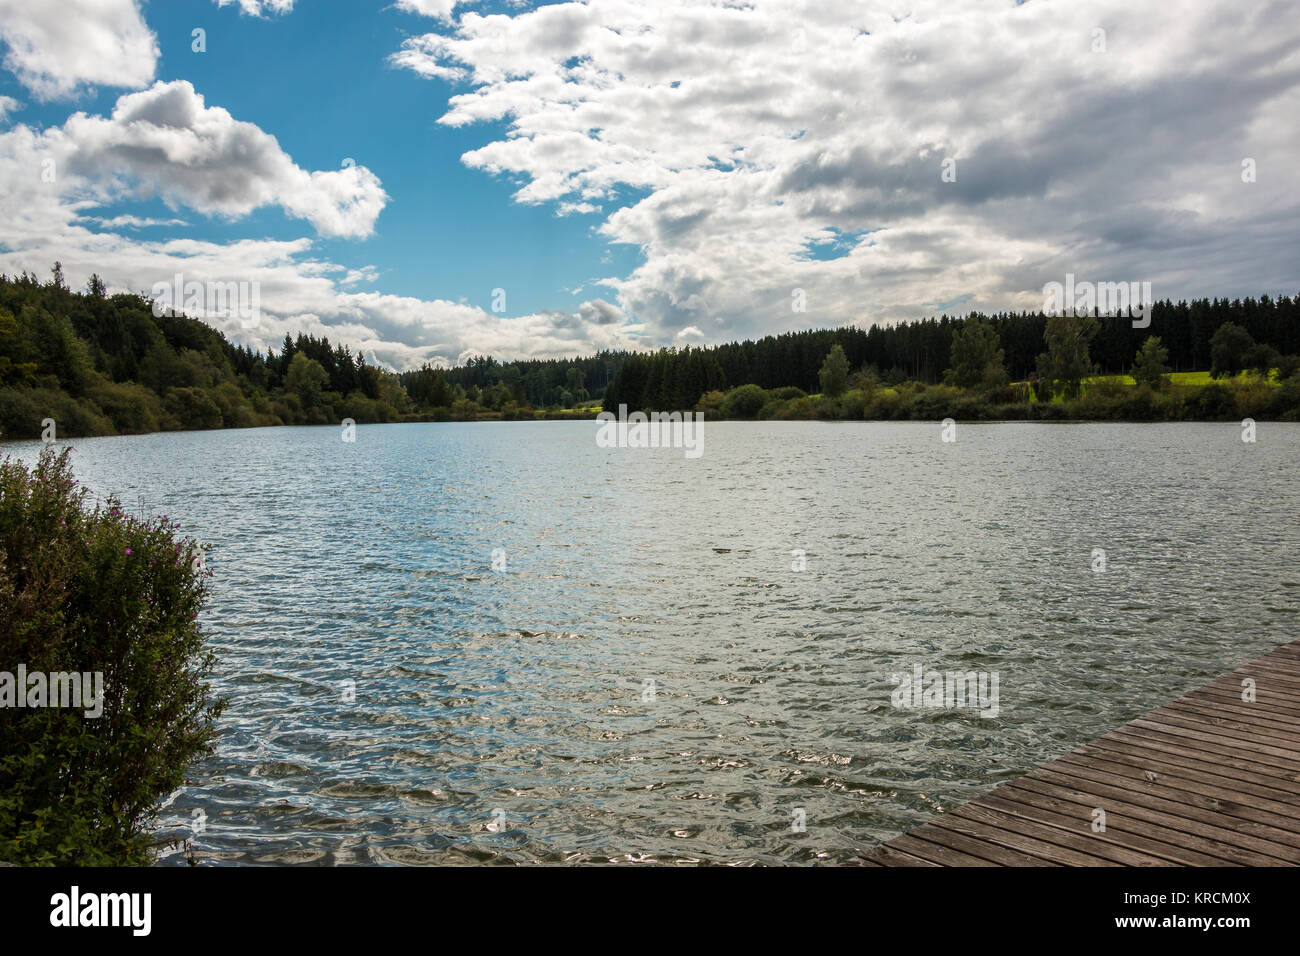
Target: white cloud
[425,55]
[440,9]
[8,105]
[56,49]
[199,157]
[600,312]
[166,141]
[778,145]
[300,293]
[257,8]
[132,222]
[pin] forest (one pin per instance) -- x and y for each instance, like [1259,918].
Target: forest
[921,352]
[101,364]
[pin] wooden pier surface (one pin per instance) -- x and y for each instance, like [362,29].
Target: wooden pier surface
[1208,780]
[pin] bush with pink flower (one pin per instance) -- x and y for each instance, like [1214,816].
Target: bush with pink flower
[88,588]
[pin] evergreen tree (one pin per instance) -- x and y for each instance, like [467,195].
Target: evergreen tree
[976,356]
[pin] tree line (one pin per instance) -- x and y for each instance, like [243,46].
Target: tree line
[101,364]
[922,351]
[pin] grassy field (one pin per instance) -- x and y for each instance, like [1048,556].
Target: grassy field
[1183,378]
[1176,379]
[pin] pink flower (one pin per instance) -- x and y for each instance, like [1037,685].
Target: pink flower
[128,550]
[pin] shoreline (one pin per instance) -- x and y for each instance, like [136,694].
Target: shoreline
[756,421]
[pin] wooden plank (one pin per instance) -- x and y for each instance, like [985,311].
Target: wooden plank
[1120,831]
[1284,674]
[1260,720]
[886,854]
[1199,777]
[938,853]
[1276,708]
[1046,843]
[1205,780]
[1214,802]
[976,845]
[1208,838]
[1194,732]
[1188,744]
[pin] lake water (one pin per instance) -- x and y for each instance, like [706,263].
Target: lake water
[648,678]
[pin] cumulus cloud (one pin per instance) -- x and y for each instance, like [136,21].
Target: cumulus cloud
[440,9]
[782,153]
[54,182]
[428,56]
[257,8]
[600,312]
[166,141]
[58,49]
[302,293]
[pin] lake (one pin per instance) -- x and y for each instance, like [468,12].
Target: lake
[453,643]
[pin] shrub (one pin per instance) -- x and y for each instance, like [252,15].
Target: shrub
[710,403]
[1140,405]
[192,408]
[743,402]
[464,410]
[798,409]
[822,407]
[235,408]
[853,403]
[1013,412]
[288,409]
[939,402]
[884,405]
[361,409]
[1254,400]
[786,393]
[1286,400]
[1213,402]
[94,590]
[132,408]
[22,411]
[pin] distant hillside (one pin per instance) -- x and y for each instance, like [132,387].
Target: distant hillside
[101,364]
[922,351]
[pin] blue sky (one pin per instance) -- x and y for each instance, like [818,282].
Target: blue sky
[645,174]
[318,80]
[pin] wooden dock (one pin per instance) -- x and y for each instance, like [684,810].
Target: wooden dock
[1208,780]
